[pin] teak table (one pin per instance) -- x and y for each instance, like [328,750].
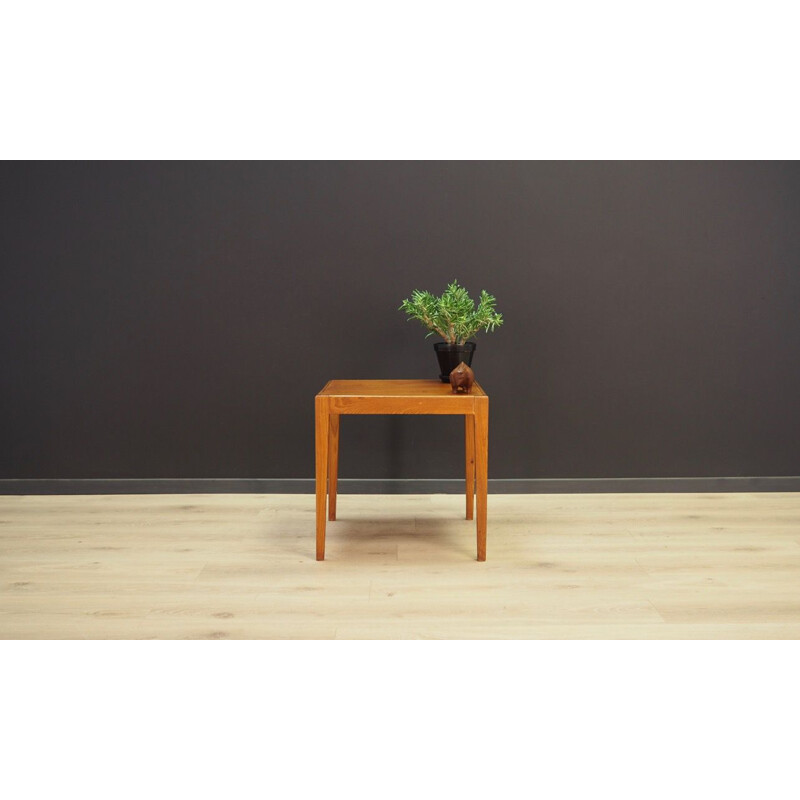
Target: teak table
[400,397]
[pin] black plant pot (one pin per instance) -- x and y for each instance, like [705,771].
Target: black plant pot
[451,355]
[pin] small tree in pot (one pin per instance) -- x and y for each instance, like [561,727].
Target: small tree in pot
[455,318]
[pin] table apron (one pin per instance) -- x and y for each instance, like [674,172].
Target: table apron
[402,405]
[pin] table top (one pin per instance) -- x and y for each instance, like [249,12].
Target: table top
[399,388]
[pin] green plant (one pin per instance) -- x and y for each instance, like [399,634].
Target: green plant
[453,315]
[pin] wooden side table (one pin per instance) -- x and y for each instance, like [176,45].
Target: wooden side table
[400,397]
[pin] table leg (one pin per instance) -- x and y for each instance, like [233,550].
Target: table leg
[481,469]
[469,439]
[322,429]
[333,465]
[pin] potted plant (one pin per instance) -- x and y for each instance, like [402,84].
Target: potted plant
[455,318]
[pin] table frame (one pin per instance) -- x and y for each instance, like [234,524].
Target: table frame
[399,397]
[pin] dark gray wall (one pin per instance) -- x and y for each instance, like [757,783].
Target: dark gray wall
[176,319]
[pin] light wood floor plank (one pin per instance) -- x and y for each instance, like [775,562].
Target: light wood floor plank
[639,566]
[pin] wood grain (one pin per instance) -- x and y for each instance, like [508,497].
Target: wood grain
[393,388]
[398,397]
[481,470]
[333,465]
[469,448]
[340,397]
[601,566]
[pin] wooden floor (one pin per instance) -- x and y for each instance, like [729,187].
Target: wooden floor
[599,566]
